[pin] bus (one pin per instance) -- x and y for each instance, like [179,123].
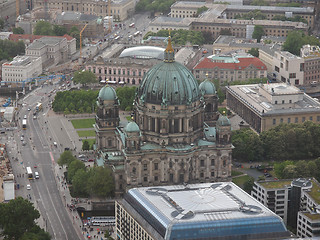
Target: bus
[102,221]
[39,107]
[131,25]
[24,124]
[136,33]
[29,173]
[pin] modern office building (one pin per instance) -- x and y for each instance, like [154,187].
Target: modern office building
[264,106]
[177,134]
[218,210]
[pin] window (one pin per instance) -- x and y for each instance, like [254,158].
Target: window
[224,163]
[202,163]
[145,167]
[275,102]
[156,178]
[212,174]
[310,118]
[289,120]
[171,177]
[303,119]
[201,175]
[274,121]
[281,120]
[156,166]
[145,179]
[292,75]
[318,118]
[296,120]
[212,162]
[282,101]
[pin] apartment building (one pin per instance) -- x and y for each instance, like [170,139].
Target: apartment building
[229,68]
[20,69]
[264,106]
[311,56]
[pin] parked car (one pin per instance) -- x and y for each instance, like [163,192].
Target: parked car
[28,187]
[81,156]
[91,160]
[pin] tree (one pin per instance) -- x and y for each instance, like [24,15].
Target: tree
[18,218]
[254,52]
[79,183]
[85,145]
[43,28]
[1,24]
[59,30]
[258,32]
[248,185]
[10,49]
[100,182]
[294,42]
[18,30]
[126,97]
[84,77]
[66,158]
[73,167]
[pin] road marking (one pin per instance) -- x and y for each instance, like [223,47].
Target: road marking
[52,158]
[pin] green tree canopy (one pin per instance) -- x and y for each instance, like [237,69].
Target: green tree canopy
[100,182]
[258,32]
[296,39]
[1,23]
[10,49]
[66,158]
[43,28]
[73,167]
[154,6]
[18,30]
[254,52]
[126,97]
[59,30]
[79,183]
[85,145]
[17,219]
[84,77]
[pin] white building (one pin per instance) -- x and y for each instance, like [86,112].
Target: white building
[288,67]
[8,187]
[20,69]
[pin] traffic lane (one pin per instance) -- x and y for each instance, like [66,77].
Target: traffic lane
[251,172]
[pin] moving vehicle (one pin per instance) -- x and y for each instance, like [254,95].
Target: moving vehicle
[24,124]
[29,173]
[102,221]
[131,25]
[25,117]
[39,107]
[28,187]
[36,175]
[136,33]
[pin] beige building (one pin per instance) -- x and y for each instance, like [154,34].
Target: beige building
[51,50]
[120,9]
[264,106]
[288,67]
[176,136]
[311,56]
[21,69]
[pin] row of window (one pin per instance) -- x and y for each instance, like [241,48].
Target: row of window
[296,120]
[118,71]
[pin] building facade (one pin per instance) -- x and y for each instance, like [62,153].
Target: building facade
[219,210]
[311,56]
[177,135]
[51,50]
[119,10]
[264,106]
[20,69]
[229,68]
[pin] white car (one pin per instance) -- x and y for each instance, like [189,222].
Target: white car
[28,187]
[81,156]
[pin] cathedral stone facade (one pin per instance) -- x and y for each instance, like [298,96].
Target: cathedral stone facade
[176,136]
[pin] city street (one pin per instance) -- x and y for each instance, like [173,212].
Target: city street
[41,155]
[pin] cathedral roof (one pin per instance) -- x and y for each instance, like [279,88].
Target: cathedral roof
[132,127]
[223,121]
[169,83]
[207,87]
[107,93]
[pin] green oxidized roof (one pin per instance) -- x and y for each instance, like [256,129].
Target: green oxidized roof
[107,93]
[207,88]
[223,121]
[132,127]
[169,83]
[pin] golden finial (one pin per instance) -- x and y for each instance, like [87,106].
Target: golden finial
[107,80]
[169,46]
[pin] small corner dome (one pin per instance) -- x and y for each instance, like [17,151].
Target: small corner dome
[132,127]
[207,88]
[107,93]
[223,121]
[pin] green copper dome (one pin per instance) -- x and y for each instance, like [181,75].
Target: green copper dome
[107,93]
[132,127]
[207,88]
[223,121]
[169,83]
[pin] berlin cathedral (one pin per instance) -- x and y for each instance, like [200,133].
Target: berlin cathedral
[176,136]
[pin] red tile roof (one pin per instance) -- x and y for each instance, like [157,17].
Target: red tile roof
[17,37]
[242,64]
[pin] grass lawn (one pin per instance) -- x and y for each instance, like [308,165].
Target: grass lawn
[128,118]
[235,173]
[83,123]
[90,141]
[86,133]
[240,180]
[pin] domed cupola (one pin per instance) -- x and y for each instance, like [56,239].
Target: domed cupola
[207,88]
[132,136]
[223,121]
[168,83]
[132,127]
[107,93]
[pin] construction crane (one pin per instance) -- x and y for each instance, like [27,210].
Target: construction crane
[17,8]
[81,39]
[109,14]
